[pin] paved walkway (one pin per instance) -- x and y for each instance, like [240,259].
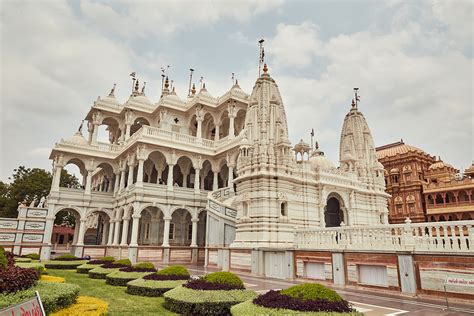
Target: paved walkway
[371,303]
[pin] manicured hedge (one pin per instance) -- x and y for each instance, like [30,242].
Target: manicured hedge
[3,258]
[35,265]
[66,265]
[196,302]
[224,277]
[145,265]
[174,270]
[312,291]
[55,296]
[120,278]
[21,259]
[33,256]
[248,308]
[66,257]
[100,272]
[86,267]
[125,262]
[85,305]
[152,288]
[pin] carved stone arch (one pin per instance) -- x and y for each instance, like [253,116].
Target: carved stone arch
[113,165]
[129,211]
[161,207]
[108,212]
[178,207]
[335,210]
[119,213]
[64,208]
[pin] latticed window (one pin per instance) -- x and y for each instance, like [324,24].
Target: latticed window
[171,233]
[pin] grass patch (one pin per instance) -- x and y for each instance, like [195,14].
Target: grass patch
[120,303]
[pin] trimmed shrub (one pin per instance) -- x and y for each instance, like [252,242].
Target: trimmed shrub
[276,300]
[50,278]
[101,272]
[66,257]
[311,291]
[34,265]
[192,302]
[33,256]
[21,259]
[158,277]
[86,267]
[201,284]
[144,287]
[67,265]
[55,296]
[10,258]
[120,278]
[248,308]
[224,277]
[85,305]
[145,265]
[125,262]
[13,279]
[174,270]
[107,258]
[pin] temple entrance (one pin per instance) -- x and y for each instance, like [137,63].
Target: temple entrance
[333,214]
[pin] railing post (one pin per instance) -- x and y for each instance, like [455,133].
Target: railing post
[408,241]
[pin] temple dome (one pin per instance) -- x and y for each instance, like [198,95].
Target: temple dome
[77,138]
[319,161]
[439,165]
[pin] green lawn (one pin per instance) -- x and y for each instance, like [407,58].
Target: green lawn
[120,303]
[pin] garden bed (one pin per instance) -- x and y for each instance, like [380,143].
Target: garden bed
[152,288]
[121,278]
[86,267]
[35,265]
[85,305]
[101,273]
[198,302]
[248,308]
[55,296]
[66,264]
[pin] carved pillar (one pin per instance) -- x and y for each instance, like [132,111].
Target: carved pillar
[122,179]
[231,176]
[140,172]
[125,232]
[199,128]
[111,232]
[57,177]
[166,232]
[215,184]
[185,180]
[232,114]
[170,176]
[82,232]
[117,183]
[130,174]
[89,182]
[194,232]
[116,232]
[135,222]
[217,136]
[196,180]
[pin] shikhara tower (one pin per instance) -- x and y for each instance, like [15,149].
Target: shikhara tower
[279,193]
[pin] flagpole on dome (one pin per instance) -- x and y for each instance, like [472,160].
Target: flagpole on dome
[261,57]
[312,136]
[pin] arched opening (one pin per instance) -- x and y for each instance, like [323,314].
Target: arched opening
[151,226]
[466,217]
[207,176]
[156,168]
[109,131]
[137,124]
[201,229]
[184,172]
[225,122]
[450,198]
[439,199]
[223,178]
[239,121]
[463,197]
[333,214]
[65,231]
[442,218]
[76,168]
[430,200]
[208,127]
[180,228]
[96,232]
[284,209]
[103,178]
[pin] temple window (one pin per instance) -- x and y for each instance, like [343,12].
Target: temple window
[284,209]
[171,233]
[190,231]
[245,208]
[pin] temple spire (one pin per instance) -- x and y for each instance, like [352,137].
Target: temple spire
[112,91]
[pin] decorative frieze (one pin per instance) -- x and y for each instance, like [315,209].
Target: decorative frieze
[36,213]
[5,237]
[8,224]
[32,238]
[35,226]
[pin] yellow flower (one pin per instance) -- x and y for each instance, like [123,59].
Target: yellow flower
[85,306]
[50,278]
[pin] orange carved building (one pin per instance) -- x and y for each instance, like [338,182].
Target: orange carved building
[424,188]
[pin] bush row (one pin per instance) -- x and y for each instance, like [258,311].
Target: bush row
[100,272]
[55,296]
[13,279]
[66,265]
[86,267]
[120,278]
[143,287]
[34,265]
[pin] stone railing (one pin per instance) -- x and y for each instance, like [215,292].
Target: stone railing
[223,193]
[98,146]
[438,237]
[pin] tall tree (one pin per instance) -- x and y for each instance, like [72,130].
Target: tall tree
[29,184]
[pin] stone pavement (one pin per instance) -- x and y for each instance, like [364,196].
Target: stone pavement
[370,302]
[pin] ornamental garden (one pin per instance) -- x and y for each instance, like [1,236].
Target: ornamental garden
[74,286]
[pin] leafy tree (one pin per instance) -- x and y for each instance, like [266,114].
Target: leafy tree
[26,185]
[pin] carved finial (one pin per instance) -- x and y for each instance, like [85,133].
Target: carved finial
[236,82]
[174,92]
[204,86]
[356,99]
[137,86]
[265,68]
[167,83]
[354,104]
[112,91]
[143,88]
[193,90]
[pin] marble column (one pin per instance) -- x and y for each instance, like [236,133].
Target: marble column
[166,232]
[215,184]
[127,131]
[170,176]
[89,182]
[194,232]
[140,172]
[217,136]
[130,175]
[117,183]
[122,180]
[116,232]
[135,222]
[111,233]
[196,180]
[82,232]
[124,232]
[230,177]
[56,178]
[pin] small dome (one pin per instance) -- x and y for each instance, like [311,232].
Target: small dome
[319,161]
[142,100]
[109,100]
[439,165]
[77,138]
[394,170]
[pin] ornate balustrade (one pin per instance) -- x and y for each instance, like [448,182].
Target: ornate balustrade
[438,237]
[215,204]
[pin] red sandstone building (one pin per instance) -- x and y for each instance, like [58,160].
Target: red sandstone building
[424,188]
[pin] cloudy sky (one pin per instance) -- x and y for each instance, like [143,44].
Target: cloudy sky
[412,60]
